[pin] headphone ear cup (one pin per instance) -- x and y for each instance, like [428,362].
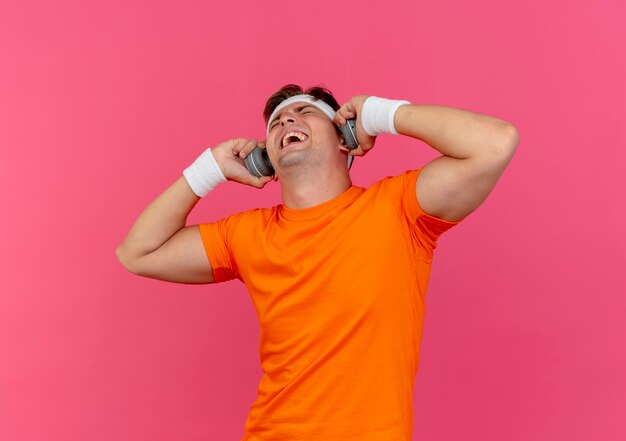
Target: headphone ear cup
[349,134]
[258,163]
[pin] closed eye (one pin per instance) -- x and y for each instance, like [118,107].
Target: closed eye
[302,110]
[274,123]
[308,109]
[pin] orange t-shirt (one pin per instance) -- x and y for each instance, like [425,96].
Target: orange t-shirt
[339,289]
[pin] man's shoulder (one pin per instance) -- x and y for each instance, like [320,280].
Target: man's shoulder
[400,182]
[254,214]
[249,216]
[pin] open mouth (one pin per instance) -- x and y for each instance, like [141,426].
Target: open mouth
[293,137]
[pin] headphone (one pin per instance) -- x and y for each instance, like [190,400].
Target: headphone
[258,162]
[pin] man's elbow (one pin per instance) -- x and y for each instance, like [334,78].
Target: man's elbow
[507,144]
[511,139]
[125,259]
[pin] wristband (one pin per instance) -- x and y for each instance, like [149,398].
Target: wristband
[377,115]
[204,174]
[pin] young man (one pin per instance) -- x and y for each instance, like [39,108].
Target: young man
[337,273]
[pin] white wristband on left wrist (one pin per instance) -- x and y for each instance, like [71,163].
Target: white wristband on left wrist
[377,115]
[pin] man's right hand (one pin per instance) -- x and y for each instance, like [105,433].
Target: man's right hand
[230,156]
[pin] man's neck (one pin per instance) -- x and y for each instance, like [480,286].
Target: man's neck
[308,190]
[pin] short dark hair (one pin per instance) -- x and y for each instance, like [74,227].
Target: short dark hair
[289,90]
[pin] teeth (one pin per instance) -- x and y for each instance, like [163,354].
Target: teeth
[301,136]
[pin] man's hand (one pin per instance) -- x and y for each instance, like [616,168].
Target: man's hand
[352,109]
[230,156]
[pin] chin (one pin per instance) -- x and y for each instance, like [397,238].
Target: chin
[293,159]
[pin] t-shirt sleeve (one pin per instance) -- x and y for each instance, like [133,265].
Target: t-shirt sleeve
[217,238]
[425,228]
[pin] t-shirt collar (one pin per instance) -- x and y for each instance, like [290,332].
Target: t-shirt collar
[303,214]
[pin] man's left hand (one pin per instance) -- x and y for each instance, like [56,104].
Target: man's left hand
[352,109]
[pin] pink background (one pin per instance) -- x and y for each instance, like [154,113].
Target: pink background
[103,104]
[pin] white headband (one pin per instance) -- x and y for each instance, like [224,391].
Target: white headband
[302,98]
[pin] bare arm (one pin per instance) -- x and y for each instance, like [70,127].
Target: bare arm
[160,246]
[476,149]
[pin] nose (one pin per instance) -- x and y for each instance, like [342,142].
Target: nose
[287,117]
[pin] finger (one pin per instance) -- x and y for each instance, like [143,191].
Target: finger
[345,112]
[247,148]
[238,145]
[365,149]
[244,177]
[338,119]
[264,180]
[348,113]
[366,145]
[343,148]
[258,182]
[357,152]
[241,174]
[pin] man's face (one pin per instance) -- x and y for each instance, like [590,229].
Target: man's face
[301,134]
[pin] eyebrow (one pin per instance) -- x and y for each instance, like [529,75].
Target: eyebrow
[298,109]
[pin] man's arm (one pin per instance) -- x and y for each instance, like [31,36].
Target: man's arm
[476,149]
[160,246]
